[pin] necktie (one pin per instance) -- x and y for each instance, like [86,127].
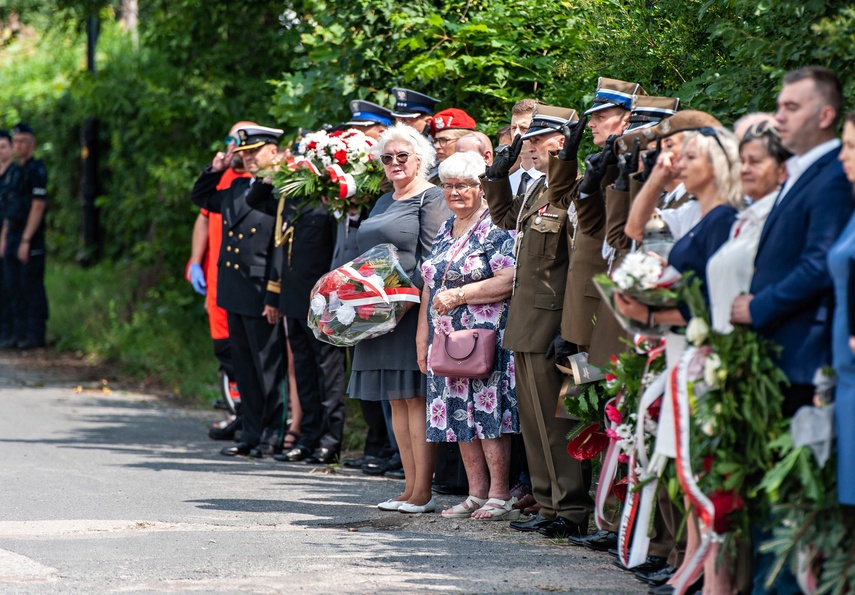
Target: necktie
[525,178]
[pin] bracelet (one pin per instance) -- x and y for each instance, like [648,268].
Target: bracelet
[650,313]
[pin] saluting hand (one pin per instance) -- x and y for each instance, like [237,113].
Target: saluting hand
[504,159]
[573,133]
[649,158]
[628,165]
[222,160]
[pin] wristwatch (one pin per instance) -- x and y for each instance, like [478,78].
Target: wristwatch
[461,293]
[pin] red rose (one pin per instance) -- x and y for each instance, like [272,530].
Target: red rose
[311,145]
[366,270]
[340,157]
[336,133]
[327,330]
[365,312]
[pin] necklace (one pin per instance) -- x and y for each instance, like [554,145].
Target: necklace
[465,224]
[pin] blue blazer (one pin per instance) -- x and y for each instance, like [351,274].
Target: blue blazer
[792,287]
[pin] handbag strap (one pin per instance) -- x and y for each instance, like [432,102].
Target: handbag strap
[459,248]
[462,244]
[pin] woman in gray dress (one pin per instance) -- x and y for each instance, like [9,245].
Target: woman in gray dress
[386,367]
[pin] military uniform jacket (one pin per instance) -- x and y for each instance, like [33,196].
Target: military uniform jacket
[306,238]
[244,260]
[585,239]
[534,315]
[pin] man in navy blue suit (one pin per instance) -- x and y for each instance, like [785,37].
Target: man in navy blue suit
[790,300]
[791,292]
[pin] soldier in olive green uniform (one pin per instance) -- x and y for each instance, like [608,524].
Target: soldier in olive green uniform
[558,482]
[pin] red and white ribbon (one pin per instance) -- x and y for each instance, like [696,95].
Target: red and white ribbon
[378,293]
[346,182]
[295,163]
[703,507]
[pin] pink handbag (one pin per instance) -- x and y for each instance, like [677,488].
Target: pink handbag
[469,353]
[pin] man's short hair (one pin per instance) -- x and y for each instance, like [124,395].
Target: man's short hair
[5,134]
[504,131]
[523,107]
[826,83]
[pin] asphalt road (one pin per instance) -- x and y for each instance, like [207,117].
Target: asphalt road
[124,493]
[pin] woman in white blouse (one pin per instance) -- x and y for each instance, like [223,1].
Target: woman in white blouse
[763,171]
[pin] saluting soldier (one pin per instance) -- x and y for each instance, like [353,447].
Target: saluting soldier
[558,483]
[248,292]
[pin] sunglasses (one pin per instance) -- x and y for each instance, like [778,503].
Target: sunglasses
[459,188]
[386,158]
[709,131]
[230,140]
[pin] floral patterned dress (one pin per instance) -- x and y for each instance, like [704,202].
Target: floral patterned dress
[466,409]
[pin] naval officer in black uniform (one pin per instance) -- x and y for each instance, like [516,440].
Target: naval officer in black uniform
[248,293]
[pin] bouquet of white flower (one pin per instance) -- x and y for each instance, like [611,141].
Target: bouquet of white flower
[648,279]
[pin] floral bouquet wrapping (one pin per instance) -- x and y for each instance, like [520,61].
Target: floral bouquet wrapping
[646,278]
[337,169]
[361,299]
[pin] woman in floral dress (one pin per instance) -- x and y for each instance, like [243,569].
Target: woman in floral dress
[468,279]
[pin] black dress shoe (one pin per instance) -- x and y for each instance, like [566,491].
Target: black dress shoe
[322,456]
[561,528]
[227,432]
[449,490]
[666,589]
[298,453]
[383,466]
[395,473]
[600,541]
[651,564]
[657,577]
[360,462]
[241,448]
[533,524]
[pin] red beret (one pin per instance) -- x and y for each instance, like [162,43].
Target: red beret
[451,119]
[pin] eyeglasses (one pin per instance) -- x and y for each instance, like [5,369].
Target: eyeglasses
[386,158]
[709,131]
[230,140]
[459,188]
[444,142]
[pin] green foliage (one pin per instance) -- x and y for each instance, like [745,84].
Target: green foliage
[158,338]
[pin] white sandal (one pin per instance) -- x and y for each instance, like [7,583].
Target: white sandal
[500,510]
[465,509]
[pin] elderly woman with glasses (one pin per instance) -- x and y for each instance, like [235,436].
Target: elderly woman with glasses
[762,173]
[386,367]
[468,279]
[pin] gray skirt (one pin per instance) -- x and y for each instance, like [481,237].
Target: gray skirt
[386,385]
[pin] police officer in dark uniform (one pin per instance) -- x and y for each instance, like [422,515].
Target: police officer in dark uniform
[7,166]
[413,109]
[24,246]
[248,291]
[305,238]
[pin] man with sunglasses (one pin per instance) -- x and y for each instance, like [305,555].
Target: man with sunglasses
[202,275]
[248,290]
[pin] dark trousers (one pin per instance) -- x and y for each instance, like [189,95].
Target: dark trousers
[223,353]
[24,284]
[376,438]
[320,372]
[257,348]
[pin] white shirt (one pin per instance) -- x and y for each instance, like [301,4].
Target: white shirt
[731,269]
[515,177]
[682,219]
[799,164]
[676,194]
